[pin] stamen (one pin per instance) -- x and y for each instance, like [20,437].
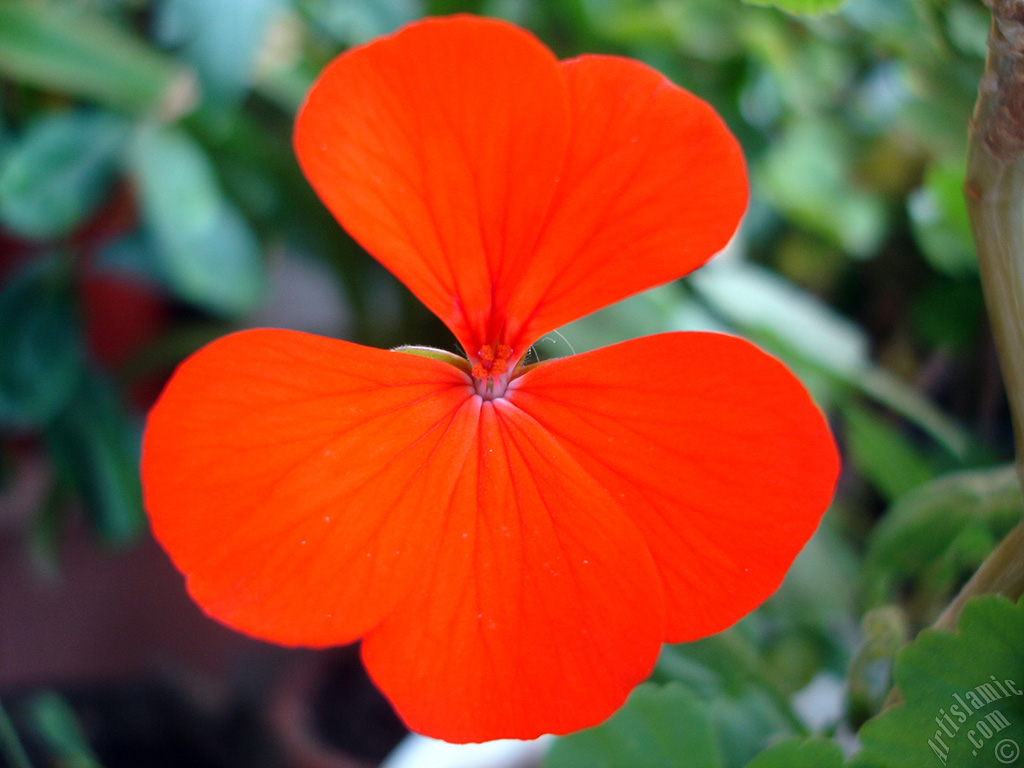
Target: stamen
[492,369]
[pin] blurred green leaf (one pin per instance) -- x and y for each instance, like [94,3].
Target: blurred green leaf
[47,531]
[884,631]
[53,719]
[801,6]
[808,176]
[968,27]
[800,753]
[61,46]
[645,314]
[135,256]
[925,525]
[40,344]
[657,727]
[807,333]
[220,38]
[211,256]
[10,742]
[820,587]
[758,301]
[739,689]
[59,172]
[353,22]
[883,454]
[744,722]
[96,451]
[939,215]
[963,695]
[945,89]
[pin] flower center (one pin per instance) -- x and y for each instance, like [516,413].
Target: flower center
[491,372]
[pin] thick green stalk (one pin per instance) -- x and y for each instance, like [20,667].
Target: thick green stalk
[994,189]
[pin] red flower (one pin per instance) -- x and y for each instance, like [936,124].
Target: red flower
[511,543]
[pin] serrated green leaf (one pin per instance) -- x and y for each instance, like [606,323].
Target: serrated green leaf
[811,7]
[964,695]
[210,255]
[800,753]
[59,172]
[40,345]
[96,451]
[657,727]
[63,47]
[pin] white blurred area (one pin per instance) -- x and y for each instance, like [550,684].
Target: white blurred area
[420,752]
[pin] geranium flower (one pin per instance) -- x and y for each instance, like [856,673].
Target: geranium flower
[512,542]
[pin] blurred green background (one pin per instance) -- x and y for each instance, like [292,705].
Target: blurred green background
[150,202]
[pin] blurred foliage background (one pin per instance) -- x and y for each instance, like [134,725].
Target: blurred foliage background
[150,202]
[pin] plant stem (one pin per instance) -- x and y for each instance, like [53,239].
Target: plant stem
[1002,573]
[994,189]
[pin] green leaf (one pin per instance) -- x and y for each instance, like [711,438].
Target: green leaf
[57,726]
[820,587]
[809,175]
[657,727]
[40,344]
[220,38]
[800,753]
[811,336]
[883,454]
[354,22]
[938,213]
[925,527]
[761,302]
[801,6]
[61,47]
[211,256]
[59,172]
[133,256]
[964,695]
[884,632]
[96,451]
[738,688]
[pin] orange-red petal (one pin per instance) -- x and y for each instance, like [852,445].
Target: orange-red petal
[712,447]
[541,608]
[653,186]
[299,482]
[438,150]
[512,193]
